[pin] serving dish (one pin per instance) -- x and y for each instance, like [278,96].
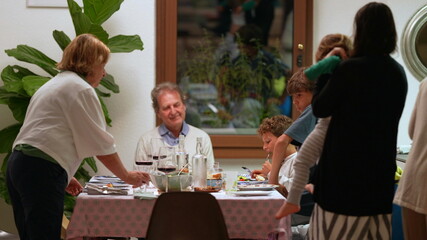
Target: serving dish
[257,187]
[252,193]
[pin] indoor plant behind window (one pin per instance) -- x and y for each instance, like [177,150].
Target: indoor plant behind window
[21,83]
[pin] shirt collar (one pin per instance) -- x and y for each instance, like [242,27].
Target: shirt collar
[169,137]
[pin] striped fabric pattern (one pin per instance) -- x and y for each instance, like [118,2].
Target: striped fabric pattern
[325,225]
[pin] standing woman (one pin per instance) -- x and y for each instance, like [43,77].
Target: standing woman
[412,190]
[365,96]
[64,124]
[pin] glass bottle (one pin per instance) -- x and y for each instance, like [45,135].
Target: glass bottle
[199,166]
[182,155]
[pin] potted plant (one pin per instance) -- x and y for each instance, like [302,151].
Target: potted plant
[21,83]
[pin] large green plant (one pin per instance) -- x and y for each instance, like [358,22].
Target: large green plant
[20,83]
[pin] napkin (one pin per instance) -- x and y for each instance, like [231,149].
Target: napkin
[144,195]
[93,189]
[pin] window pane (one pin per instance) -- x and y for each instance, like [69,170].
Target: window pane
[233,62]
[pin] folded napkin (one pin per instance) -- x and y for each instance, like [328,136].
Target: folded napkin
[144,195]
[93,189]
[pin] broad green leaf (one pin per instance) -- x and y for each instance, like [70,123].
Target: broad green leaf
[18,106]
[61,38]
[92,163]
[12,78]
[7,137]
[108,83]
[69,203]
[5,95]
[82,23]
[82,173]
[12,82]
[31,55]
[99,32]
[21,71]
[32,83]
[4,165]
[122,43]
[102,94]
[105,110]
[100,10]
[3,189]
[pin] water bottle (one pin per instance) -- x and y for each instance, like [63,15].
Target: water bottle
[199,169]
[182,155]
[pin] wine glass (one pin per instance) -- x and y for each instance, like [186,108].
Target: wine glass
[156,144]
[167,160]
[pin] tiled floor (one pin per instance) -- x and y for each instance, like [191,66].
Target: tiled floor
[8,236]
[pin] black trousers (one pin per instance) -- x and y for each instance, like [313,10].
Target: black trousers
[36,188]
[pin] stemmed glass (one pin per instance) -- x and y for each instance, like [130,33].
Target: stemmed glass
[167,160]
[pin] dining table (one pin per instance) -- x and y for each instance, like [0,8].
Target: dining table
[246,217]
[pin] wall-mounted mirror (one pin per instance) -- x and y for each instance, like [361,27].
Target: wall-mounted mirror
[414,44]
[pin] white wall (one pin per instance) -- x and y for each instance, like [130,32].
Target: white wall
[336,16]
[134,72]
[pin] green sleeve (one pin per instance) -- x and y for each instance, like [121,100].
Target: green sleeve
[326,65]
[248,5]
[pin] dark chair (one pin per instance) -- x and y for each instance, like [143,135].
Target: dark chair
[186,216]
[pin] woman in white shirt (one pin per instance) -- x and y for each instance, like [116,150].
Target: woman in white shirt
[64,124]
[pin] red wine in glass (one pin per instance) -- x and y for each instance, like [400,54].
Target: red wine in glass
[159,157]
[145,163]
[166,169]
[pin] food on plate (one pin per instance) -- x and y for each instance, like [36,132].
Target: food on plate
[243,178]
[206,189]
[260,178]
[215,176]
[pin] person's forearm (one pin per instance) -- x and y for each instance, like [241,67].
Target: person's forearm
[115,165]
[278,156]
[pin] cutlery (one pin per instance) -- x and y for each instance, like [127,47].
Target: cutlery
[248,170]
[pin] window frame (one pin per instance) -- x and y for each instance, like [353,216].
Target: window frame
[228,146]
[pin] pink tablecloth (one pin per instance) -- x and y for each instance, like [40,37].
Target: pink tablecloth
[123,216]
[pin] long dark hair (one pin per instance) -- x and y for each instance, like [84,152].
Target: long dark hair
[374,30]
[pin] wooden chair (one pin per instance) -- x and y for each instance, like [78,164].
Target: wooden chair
[186,215]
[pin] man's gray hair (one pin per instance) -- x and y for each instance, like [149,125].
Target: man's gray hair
[165,86]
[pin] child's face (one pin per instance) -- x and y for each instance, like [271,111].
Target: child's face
[301,100]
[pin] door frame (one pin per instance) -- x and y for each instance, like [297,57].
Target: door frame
[228,146]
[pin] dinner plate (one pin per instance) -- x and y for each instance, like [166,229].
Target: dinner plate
[257,187]
[252,193]
[206,190]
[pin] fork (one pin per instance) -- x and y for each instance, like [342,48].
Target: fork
[248,170]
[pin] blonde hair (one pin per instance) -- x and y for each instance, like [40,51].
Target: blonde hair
[276,125]
[83,53]
[331,41]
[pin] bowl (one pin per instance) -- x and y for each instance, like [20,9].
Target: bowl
[175,183]
[214,183]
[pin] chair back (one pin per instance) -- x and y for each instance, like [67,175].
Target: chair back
[186,216]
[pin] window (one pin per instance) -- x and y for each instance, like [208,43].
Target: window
[179,30]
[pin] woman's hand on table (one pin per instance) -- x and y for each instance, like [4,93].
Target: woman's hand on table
[286,209]
[74,187]
[137,178]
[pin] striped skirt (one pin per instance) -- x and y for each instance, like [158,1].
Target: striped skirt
[326,225]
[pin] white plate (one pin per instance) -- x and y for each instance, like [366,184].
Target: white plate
[257,187]
[252,193]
